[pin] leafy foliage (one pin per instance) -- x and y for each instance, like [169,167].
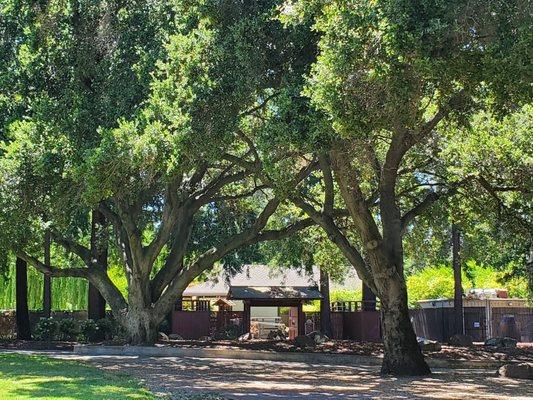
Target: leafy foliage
[436,282]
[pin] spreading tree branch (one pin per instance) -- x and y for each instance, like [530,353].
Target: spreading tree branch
[81,251]
[53,271]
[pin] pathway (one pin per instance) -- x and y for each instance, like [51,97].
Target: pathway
[265,380]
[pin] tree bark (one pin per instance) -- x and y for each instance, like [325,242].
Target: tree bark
[325,311]
[141,327]
[23,315]
[402,355]
[96,302]
[458,287]
[47,279]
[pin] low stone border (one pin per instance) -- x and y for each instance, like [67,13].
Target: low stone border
[238,354]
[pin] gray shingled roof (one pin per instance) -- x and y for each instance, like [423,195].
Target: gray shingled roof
[257,275]
[274,292]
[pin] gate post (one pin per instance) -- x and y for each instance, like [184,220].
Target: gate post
[246,319]
[301,319]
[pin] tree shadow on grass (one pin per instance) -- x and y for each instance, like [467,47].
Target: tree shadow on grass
[34,377]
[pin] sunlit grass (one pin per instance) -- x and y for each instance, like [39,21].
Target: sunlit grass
[37,377]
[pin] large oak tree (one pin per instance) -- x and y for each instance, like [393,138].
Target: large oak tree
[147,114]
[389,74]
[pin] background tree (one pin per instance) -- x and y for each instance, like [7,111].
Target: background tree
[495,225]
[457,281]
[388,74]
[99,243]
[67,64]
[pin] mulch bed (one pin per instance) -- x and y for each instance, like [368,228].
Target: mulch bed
[478,352]
[524,351]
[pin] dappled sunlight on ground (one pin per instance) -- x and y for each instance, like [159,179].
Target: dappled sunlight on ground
[244,379]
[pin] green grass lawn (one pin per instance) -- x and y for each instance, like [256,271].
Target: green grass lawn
[37,377]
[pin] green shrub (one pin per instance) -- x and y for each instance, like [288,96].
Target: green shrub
[47,329]
[437,281]
[89,331]
[230,332]
[108,328]
[97,331]
[68,329]
[430,283]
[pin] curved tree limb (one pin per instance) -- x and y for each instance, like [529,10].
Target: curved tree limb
[81,251]
[336,236]
[53,271]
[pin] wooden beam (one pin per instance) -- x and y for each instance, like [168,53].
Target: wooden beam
[23,315]
[246,320]
[275,302]
[47,279]
[301,319]
[369,299]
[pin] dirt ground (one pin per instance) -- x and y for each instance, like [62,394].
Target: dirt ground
[173,377]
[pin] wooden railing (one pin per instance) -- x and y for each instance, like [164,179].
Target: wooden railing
[353,306]
[192,305]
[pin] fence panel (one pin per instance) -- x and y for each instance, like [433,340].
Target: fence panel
[523,317]
[337,325]
[190,324]
[433,323]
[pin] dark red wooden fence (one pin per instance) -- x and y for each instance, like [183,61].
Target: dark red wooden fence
[190,324]
[439,323]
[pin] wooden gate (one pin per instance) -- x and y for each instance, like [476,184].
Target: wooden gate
[475,323]
[293,322]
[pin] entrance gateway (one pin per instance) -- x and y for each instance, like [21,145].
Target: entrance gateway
[257,298]
[276,296]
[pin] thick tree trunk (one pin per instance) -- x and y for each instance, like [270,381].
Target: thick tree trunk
[47,279]
[23,315]
[325,311]
[96,302]
[402,355]
[458,286]
[141,327]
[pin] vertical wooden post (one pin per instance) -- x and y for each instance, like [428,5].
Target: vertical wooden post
[458,287]
[325,311]
[247,316]
[301,319]
[95,301]
[47,279]
[95,304]
[23,315]
[179,304]
[369,299]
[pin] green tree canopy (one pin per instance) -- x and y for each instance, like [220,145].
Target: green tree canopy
[388,76]
[149,114]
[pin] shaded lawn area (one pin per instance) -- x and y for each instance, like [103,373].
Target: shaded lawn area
[39,377]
